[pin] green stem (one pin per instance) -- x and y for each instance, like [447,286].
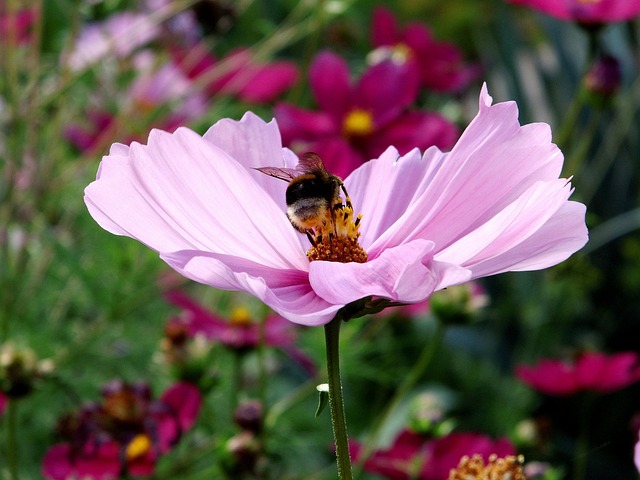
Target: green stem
[581,450]
[336,403]
[421,365]
[12,444]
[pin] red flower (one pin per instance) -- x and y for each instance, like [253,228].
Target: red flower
[592,371]
[412,456]
[586,12]
[124,435]
[358,121]
[439,65]
[238,74]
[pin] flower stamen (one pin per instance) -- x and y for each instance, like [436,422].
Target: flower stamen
[336,238]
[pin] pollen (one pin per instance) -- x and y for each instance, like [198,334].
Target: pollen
[474,468]
[336,240]
[358,123]
[138,447]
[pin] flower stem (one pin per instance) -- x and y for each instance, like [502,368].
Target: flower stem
[336,403]
[12,444]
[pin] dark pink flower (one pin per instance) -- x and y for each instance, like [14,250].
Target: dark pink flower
[439,65]
[3,402]
[238,73]
[358,121]
[592,371]
[16,26]
[239,332]
[412,456]
[586,11]
[125,434]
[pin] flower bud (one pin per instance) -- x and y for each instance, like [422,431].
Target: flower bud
[603,80]
[248,416]
[20,369]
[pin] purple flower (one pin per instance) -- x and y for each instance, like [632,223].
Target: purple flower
[586,11]
[238,74]
[126,433]
[439,65]
[592,371]
[428,221]
[412,456]
[358,121]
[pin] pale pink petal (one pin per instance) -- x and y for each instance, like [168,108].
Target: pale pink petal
[492,165]
[404,274]
[254,143]
[560,237]
[182,193]
[636,456]
[287,292]
[510,227]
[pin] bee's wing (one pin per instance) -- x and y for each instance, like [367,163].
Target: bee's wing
[286,174]
[310,162]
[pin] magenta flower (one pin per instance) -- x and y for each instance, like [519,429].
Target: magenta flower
[439,65]
[240,332]
[238,74]
[3,402]
[592,371]
[586,11]
[125,434]
[493,204]
[412,456]
[16,26]
[358,121]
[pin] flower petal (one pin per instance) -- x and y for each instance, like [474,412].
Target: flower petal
[330,84]
[255,143]
[286,291]
[182,193]
[403,274]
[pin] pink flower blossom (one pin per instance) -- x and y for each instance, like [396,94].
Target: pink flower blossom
[412,456]
[119,36]
[358,121]
[126,433]
[439,65]
[3,402]
[493,204]
[238,74]
[590,372]
[586,11]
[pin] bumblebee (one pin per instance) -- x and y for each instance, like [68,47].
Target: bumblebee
[313,193]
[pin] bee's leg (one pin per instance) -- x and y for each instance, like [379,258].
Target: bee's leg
[347,200]
[310,237]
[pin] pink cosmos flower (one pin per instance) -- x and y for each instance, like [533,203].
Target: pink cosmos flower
[239,332]
[586,11]
[238,74]
[591,372]
[493,204]
[118,36]
[412,456]
[358,121]
[126,433]
[3,402]
[439,65]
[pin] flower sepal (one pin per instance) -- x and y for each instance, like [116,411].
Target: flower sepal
[366,306]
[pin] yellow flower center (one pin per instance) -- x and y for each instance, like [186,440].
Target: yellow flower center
[336,238]
[589,1]
[474,468]
[399,53]
[240,317]
[358,123]
[138,447]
